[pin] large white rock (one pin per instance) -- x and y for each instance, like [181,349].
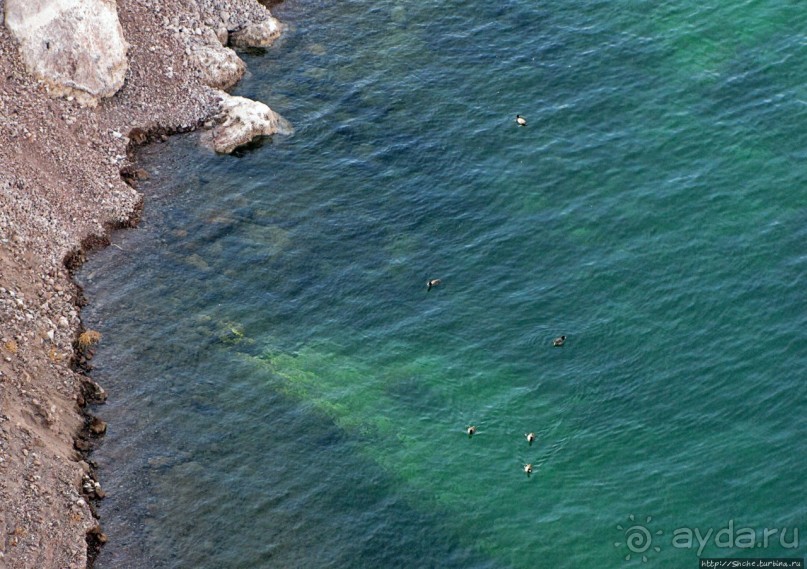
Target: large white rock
[76,46]
[243,120]
[219,66]
[256,34]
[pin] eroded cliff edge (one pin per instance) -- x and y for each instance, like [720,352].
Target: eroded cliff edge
[66,134]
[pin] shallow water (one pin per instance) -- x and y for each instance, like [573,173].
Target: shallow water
[284,392]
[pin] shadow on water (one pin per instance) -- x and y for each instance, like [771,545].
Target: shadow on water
[266,485]
[271,3]
[254,145]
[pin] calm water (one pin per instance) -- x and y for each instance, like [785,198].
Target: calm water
[284,392]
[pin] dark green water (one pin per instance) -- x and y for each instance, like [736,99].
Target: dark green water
[284,392]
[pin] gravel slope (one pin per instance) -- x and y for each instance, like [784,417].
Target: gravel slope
[61,191]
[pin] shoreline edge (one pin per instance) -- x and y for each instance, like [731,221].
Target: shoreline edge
[68,178]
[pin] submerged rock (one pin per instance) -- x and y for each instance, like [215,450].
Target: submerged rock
[75,46]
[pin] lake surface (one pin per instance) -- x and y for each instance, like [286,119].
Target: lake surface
[285,392]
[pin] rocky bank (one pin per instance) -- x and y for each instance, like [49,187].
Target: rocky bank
[82,83]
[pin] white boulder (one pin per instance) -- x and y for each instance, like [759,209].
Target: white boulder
[219,66]
[256,34]
[76,46]
[241,121]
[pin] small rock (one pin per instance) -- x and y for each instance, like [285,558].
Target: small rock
[97,426]
[138,136]
[97,534]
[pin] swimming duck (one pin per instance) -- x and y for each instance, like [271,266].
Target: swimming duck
[559,341]
[470,430]
[530,437]
[431,283]
[528,469]
[521,120]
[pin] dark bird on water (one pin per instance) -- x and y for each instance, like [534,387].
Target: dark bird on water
[559,341]
[431,283]
[521,120]
[530,437]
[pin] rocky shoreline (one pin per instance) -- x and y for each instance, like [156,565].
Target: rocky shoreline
[68,178]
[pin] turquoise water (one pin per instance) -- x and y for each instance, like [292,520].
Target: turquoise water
[284,392]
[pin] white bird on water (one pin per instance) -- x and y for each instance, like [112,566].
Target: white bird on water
[431,283]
